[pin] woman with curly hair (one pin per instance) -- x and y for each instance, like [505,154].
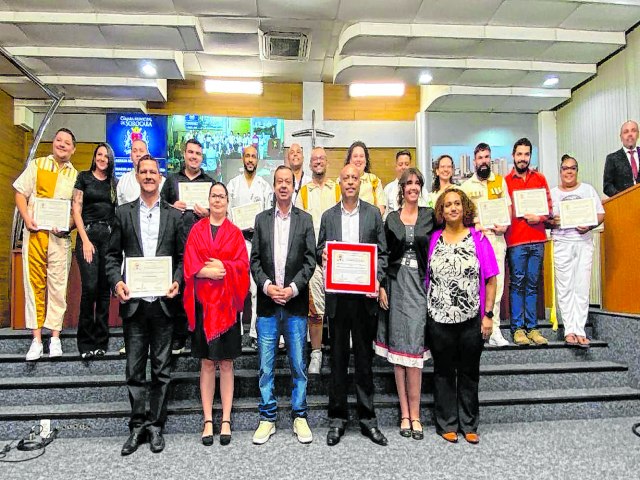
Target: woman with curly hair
[461,289]
[371,188]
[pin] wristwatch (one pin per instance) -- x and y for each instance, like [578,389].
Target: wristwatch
[488,314]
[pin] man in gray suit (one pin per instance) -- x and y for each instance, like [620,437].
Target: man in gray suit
[352,315]
[282,262]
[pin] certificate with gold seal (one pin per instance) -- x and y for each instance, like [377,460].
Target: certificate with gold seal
[493,213]
[351,267]
[533,201]
[148,276]
[244,216]
[50,213]
[193,193]
[578,213]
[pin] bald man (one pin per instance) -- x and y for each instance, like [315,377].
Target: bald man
[295,159]
[622,168]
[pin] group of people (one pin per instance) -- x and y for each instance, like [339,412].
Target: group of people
[439,279]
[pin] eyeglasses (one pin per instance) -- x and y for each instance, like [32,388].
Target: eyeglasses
[218,196]
[573,168]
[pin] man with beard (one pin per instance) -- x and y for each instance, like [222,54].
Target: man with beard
[621,169]
[191,172]
[244,189]
[486,185]
[525,241]
[295,158]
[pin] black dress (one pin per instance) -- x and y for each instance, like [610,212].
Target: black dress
[226,347]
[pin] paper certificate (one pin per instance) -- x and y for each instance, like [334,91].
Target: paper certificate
[194,192]
[148,276]
[50,213]
[351,268]
[578,213]
[245,216]
[531,201]
[494,213]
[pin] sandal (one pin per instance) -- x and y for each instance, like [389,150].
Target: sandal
[416,434]
[207,440]
[583,342]
[225,438]
[571,340]
[405,432]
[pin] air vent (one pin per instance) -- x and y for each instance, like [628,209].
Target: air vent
[285,46]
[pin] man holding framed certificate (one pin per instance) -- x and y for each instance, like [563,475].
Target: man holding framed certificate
[188,191]
[577,210]
[148,234]
[488,191]
[352,221]
[525,238]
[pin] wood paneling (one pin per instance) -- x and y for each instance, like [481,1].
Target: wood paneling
[278,100]
[11,162]
[383,162]
[81,159]
[338,105]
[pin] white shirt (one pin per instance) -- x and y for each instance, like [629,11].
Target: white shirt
[584,190]
[281,229]
[149,231]
[391,194]
[128,188]
[240,193]
[351,224]
[298,185]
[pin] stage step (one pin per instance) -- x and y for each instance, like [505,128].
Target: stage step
[185,385]
[110,418]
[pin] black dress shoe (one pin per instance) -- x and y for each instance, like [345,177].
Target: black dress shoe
[207,440]
[156,440]
[225,438]
[375,435]
[333,435]
[136,437]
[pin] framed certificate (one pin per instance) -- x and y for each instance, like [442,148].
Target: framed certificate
[148,276]
[244,216]
[532,201]
[50,213]
[351,268]
[578,213]
[494,212]
[194,192]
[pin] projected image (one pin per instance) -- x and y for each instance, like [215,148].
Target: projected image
[501,159]
[223,139]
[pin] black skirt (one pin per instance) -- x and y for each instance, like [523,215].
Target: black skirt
[226,347]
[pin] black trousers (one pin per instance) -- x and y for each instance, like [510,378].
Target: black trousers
[456,350]
[148,330]
[93,321]
[180,322]
[351,318]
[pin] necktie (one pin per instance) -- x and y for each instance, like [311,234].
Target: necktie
[634,164]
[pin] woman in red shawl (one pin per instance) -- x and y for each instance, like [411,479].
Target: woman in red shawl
[216,278]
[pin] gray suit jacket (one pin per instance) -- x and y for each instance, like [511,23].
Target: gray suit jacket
[371,231]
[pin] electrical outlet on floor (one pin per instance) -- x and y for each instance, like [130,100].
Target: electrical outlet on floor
[45,425]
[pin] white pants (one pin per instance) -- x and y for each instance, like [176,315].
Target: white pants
[572,262]
[253,289]
[500,250]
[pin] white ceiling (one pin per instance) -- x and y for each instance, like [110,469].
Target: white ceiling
[93,50]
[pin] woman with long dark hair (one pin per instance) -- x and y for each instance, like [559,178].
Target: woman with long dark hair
[443,172]
[371,188]
[93,209]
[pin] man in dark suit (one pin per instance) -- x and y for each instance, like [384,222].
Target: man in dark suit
[282,262]
[146,227]
[353,221]
[622,167]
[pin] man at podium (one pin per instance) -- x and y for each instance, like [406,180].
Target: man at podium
[621,169]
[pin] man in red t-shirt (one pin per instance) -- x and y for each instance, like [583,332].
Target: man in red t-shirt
[525,248]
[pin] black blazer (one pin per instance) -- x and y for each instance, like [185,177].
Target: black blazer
[300,264]
[617,172]
[371,231]
[126,242]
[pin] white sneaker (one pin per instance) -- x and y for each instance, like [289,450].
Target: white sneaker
[302,430]
[316,362]
[35,351]
[123,350]
[55,347]
[497,340]
[263,432]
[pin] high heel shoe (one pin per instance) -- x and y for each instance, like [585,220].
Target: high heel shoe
[225,439]
[405,432]
[207,440]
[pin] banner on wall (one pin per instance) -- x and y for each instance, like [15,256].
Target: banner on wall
[124,128]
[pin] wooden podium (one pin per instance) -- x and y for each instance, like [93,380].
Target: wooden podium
[621,252]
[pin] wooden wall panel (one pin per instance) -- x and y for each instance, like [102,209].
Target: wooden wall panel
[279,100]
[11,160]
[81,159]
[338,105]
[383,162]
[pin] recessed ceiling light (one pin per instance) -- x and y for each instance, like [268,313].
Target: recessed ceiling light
[253,87]
[425,78]
[551,81]
[149,69]
[376,89]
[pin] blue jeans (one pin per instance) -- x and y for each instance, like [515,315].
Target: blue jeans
[294,330]
[525,264]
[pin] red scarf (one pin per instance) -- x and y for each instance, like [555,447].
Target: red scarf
[221,299]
